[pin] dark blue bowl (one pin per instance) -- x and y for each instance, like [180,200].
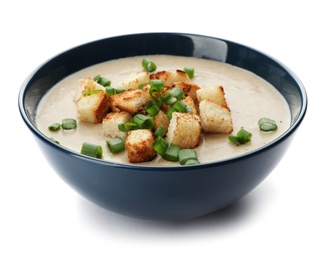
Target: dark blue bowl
[163,193]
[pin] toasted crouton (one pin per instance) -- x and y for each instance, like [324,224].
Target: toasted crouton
[131,100]
[112,120]
[215,118]
[161,119]
[170,78]
[184,130]
[139,146]
[135,80]
[86,85]
[93,108]
[215,94]
[188,88]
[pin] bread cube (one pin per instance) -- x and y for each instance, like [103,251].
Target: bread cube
[161,119]
[188,88]
[190,103]
[215,118]
[135,80]
[86,85]
[170,78]
[131,100]
[215,94]
[112,120]
[139,146]
[93,108]
[184,130]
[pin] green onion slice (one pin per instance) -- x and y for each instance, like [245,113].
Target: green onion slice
[102,80]
[143,121]
[187,154]
[171,153]
[173,96]
[148,65]
[92,150]
[180,106]
[127,126]
[160,131]
[241,137]
[152,108]
[192,162]
[116,145]
[112,91]
[189,72]
[54,127]
[170,112]
[160,145]
[88,93]
[267,124]
[69,123]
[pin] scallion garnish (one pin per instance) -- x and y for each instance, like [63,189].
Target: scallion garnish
[160,145]
[180,106]
[69,123]
[54,127]
[116,145]
[171,153]
[192,162]
[173,95]
[241,137]
[127,126]
[88,93]
[143,121]
[187,154]
[102,80]
[160,131]
[112,91]
[92,150]
[189,72]
[267,124]
[148,65]
[152,109]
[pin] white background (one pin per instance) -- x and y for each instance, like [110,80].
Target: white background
[42,218]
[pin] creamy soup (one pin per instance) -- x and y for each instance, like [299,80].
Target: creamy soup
[249,98]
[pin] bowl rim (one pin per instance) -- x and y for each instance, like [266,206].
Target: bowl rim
[292,128]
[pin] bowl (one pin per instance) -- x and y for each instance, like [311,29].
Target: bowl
[163,192]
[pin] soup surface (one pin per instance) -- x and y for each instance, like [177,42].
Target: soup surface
[249,98]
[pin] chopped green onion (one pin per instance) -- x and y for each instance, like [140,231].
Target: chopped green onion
[189,72]
[241,137]
[171,153]
[127,126]
[148,65]
[92,150]
[112,91]
[156,85]
[116,145]
[192,162]
[152,109]
[141,86]
[102,80]
[173,95]
[267,124]
[54,127]
[187,154]
[160,131]
[69,123]
[160,145]
[170,112]
[180,106]
[88,93]
[143,121]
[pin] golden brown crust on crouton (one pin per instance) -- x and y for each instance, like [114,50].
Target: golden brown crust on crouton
[161,119]
[112,120]
[86,85]
[135,80]
[215,118]
[184,130]
[131,100]
[170,78]
[190,103]
[139,146]
[188,88]
[215,94]
[93,108]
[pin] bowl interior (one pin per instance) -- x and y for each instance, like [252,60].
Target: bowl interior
[70,61]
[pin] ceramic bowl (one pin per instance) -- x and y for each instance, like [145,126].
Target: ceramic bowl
[166,192]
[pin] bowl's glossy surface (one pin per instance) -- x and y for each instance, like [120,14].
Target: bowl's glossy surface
[163,193]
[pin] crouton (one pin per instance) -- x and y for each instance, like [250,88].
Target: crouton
[93,108]
[134,80]
[215,94]
[112,120]
[190,103]
[215,118]
[131,100]
[86,85]
[188,88]
[170,78]
[139,146]
[184,130]
[161,119]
